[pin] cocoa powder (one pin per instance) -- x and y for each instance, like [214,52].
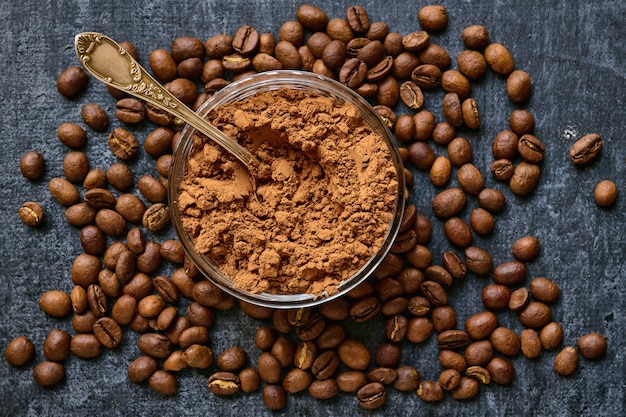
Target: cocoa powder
[322,204]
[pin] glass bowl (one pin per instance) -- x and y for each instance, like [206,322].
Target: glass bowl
[247,87]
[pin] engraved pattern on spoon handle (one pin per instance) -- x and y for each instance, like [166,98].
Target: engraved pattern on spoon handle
[107,61]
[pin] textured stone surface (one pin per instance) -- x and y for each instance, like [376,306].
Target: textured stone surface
[575,54]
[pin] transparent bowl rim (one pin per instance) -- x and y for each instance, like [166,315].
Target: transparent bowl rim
[241,89]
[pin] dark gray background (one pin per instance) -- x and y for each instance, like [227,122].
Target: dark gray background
[574,52]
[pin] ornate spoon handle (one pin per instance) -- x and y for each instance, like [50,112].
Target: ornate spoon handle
[103,58]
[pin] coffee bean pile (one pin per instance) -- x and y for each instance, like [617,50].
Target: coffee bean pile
[117,286]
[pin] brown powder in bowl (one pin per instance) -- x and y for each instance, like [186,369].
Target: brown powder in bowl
[323,203]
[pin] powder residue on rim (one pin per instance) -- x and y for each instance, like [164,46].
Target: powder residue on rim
[323,202]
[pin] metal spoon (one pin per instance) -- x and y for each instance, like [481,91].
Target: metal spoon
[106,60]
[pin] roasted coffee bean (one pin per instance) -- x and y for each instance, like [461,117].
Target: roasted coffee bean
[19,351]
[370,53]
[452,339]
[100,198]
[296,380]
[72,81]
[357,19]
[120,176]
[439,274]
[501,370]
[430,391]
[334,54]
[419,306]
[470,179]
[198,356]
[130,207]
[510,273]
[163,382]
[479,373]
[78,296]
[223,383]
[502,169]
[124,309]
[535,315]
[521,121]
[448,202]
[55,303]
[269,368]
[156,217]
[499,58]
[111,222]
[471,64]
[411,95]
[384,375]
[452,81]
[424,124]
[365,309]
[108,332]
[31,213]
[94,116]
[480,325]
[525,178]
[166,289]
[421,155]
[155,345]
[287,54]
[63,191]
[419,329]
[605,193]
[130,110]
[449,379]
[112,253]
[471,115]
[48,373]
[518,86]
[109,283]
[519,299]
[454,264]
[186,47]
[396,328]
[403,65]
[435,293]
[246,40]
[496,296]
[526,248]
[141,368]
[354,354]
[83,322]
[190,68]
[459,151]
[452,111]
[450,359]
[56,347]
[566,362]
[249,380]
[505,145]
[274,397]
[351,381]
[97,300]
[85,346]
[443,318]
[355,45]
[304,355]
[193,335]
[436,55]
[92,240]
[440,171]
[479,353]
[32,165]
[468,388]
[388,355]
[163,65]
[592,345]
[353,72]
[505,341]
[475,37]
[388,92]
[443,133]
[387,114]
[339,29]
[183,89]
[175,362]
[458,232]
[530,344]
[378,31]
[325,365]
[284,350]
[122,143]
[372,395]
[150,260]
[426,76]
[585,149]
[151,305]
[96,178]
[530,148]
[543,289]
[551,335]
[311,17]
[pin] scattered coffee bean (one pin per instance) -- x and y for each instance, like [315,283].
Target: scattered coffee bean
[31,213]
[585,149]
[605,193]
[566,361]
[19,351]
[48,373]
[592,345]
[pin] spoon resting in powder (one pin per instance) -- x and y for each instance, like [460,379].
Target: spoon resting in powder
[107,61]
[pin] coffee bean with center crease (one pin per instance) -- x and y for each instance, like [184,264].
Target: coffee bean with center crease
[246,40]
[372,395]
[122,143]
[130,110]
[452,339]
[156,217]
[325,365]
[585,149]
[223,383]
[155,345]
[358,19]
[31,213]
[530,148]
[353,72]
[380,70]
[411,95]
[97,300]
[108,332]
[100,198]
[365,309]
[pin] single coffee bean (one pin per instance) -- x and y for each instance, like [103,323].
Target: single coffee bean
[479,373]
[499,59]
[72,81]
[223,383]
[85,346]
[450,359]
[311,17]
[434,292]
[249,380]
[92,240]
[63,191]
[31,213]
[163,65]
[357,19]
[163,382]
[155,345]
[502,169]
[433,18]
[130,110]
[83,322]
[159,142]
[453,263]
[151,305]
[459,151]
[269,368]
[436,55]
[100,198]
[396,328]
[339,29]
[424,125]
[470,179]
[370,52]
[408,378]
[383,375]
[120,176]
[388,92]
[311,327]
[496,296]
[478,260]
[585,149]
[525,178]
[479,353]
[502,371]
[411,95]
[198,356]
[518,86]
[325,365]
[530,148]
[274,397]
[505,145]
[78,296]
[97,300]
[452,339]
[156,217]
[526,248]
[427,76]
[535,315]
[55,303]
[471,64]
[111,222]
[440,171]
[458,232]
[364,309]
[122,143]
[430,391]
[48,373]
[353,72]
[420,257]
[94,116]
[124,309]
[372,395]
[388,355]
[96,178]
[519,299]
[296,380]
[142,368]
[448,202]
[521,121]
[108,332]
[468,388]
[510,273]
[443,318]
[19,351]
[480,325]
[109,283]
[56,347]
[421,155]
[130,207]
[378,31]
[246,40]
[419,329]
[543,289]
[470,113]
[592,345]
[232,359]
[551,335]
[449,379]
[475,37]
[530,344]
[452,111]
[605,193]
[452,81]
[505,341]
[354,354]
[284,350]
[32,165]
[566,361]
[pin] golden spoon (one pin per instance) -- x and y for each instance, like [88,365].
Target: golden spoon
[106,60]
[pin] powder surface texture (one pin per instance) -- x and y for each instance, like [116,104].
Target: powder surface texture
[322,202]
